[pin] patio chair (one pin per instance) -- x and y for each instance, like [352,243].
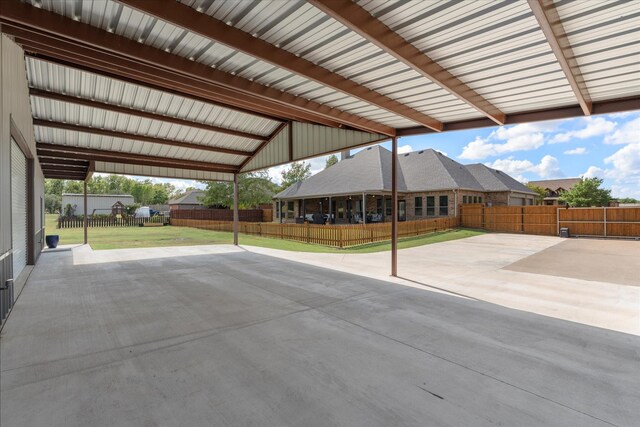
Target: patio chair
[318,218]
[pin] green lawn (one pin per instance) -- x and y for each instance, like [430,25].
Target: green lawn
[144,237]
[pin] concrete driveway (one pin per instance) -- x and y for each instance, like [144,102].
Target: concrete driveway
[590,281]
[222,336]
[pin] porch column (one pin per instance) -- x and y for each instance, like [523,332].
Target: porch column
[394,206]
[235,209]
[329,209]
[304,209]
[85,222]
[364,208]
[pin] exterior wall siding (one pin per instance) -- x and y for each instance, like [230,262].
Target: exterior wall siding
[15,107]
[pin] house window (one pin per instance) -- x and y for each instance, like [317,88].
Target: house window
[387,206]
[418,206]
[444,206]
[340,204]
[431,206]
[465,199]
[290,209]
[379,208]
[479,199]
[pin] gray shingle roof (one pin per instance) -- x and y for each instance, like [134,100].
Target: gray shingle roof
[495,180]
[369,170]
[554,184]
[191,197]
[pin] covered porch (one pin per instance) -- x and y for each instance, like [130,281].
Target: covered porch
[363,208]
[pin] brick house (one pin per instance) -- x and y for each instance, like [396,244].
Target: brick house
[554,188]
[189,200]
[429,185]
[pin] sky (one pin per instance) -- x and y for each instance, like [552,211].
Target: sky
[606,146]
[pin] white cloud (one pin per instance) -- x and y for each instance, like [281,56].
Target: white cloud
[594,126]
[512,167]
[549,167]
[625,162]
[593,172]
[629,133]
[576,151]
[624,171]
[405,149]
[317,165]
[522,137]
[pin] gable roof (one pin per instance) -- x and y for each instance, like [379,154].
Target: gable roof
[554,184]
[191,197]
[495,180]
[369,171]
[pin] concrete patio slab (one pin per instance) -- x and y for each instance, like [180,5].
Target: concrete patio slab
[226,337]
[487,268]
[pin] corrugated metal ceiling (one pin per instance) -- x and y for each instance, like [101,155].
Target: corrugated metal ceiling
[495,47]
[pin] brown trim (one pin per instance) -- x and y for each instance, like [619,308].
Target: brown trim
[603,107]
[31,220]
[16,134]
[66,177]
[97,42]
[359,20]
[91,169]
[81,153]
[136,137]
[139,113]
[394,206]
[552,28]
[209,27]
[62,162]
[290,141]
[263,145]
[55,169]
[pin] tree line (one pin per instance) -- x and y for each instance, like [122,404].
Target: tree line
[254,188]
[143,192]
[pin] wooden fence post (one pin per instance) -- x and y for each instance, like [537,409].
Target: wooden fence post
[340,237]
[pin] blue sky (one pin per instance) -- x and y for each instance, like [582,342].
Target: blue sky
[606,146]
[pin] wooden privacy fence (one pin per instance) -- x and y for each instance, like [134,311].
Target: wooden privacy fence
[547,220]
[246,215]
[339,236]
[64,222]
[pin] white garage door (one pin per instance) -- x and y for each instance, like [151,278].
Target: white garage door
[18,208]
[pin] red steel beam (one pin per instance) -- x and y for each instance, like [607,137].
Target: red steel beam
[15,13]
[74,56]
[200,23]
[136,137]
[82,153]
[357,19]
[140,113]
[603,107]
[552,28]
[264,144]
[63,162]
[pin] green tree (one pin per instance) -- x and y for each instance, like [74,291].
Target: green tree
[332,160]
[73,187]
[297,172]
[628,200]
[587,193]
[253,189]
[540,192]
[52,203]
